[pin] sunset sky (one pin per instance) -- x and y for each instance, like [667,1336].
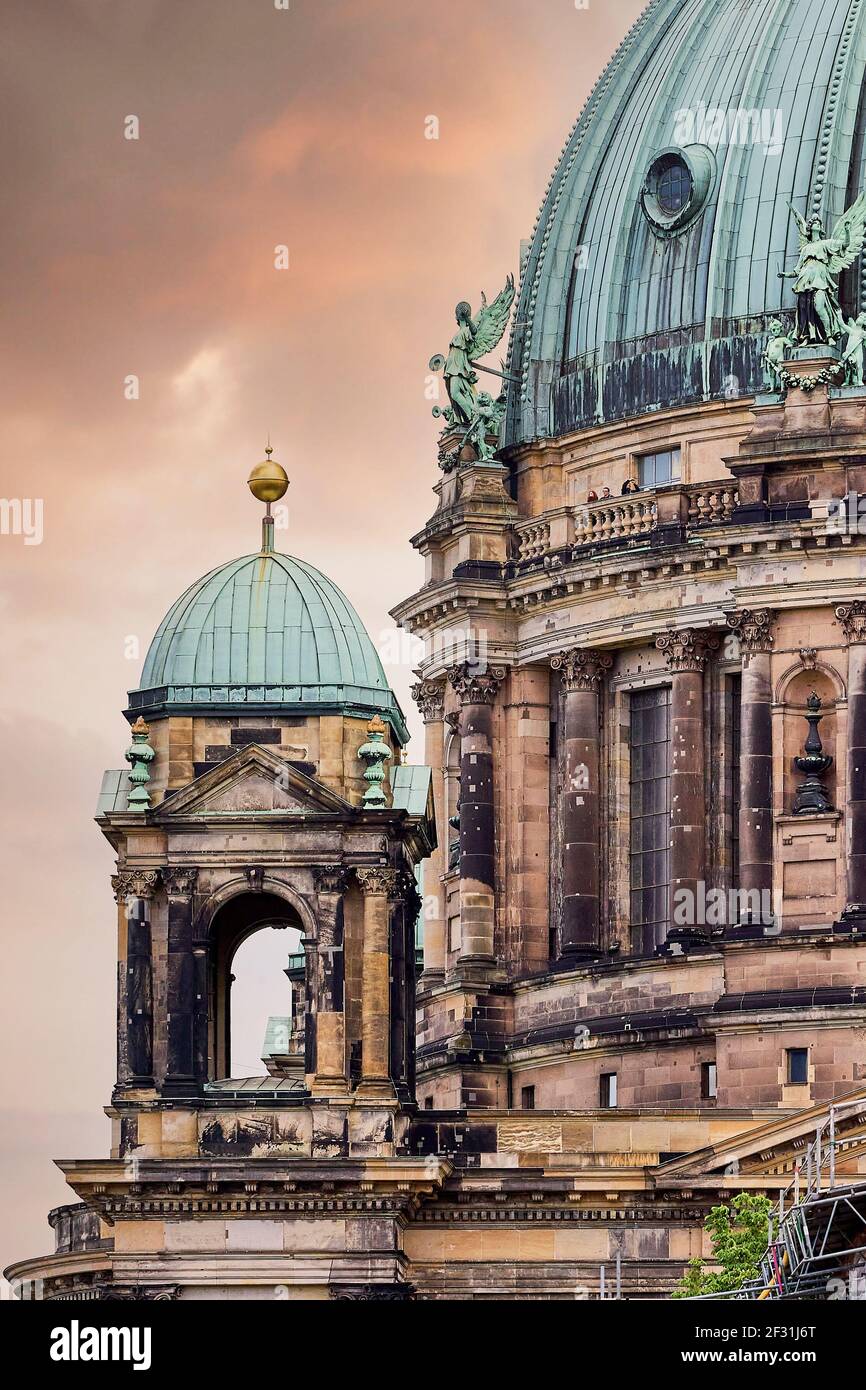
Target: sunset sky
[154,257]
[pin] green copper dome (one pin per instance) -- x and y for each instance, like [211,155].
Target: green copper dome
[259,634]
[653,273]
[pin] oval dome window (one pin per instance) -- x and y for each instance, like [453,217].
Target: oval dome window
[676,187]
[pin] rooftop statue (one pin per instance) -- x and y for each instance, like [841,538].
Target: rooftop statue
[816,277]
[852,357]
[476,412]
[773,355]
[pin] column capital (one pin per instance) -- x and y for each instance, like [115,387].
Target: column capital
[474,685]
[330,878]
[377,880]
[688,649]
[581,668]
[134,883]
[753,627]
[851,617]
[179,880]
[429,696]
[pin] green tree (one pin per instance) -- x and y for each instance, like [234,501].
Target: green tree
[739,1237]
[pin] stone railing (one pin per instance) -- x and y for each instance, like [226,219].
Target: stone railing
[629,518]
[711,503]
[619,518]
[533,540]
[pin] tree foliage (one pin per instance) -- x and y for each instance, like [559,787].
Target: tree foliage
[739,1238]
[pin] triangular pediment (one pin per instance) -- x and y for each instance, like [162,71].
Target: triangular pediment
[772,1148]
[253,781]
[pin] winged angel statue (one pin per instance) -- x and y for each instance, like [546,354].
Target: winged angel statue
[816,277]
[476,412]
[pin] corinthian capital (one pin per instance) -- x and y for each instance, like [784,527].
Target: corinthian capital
[852,619]
[429,696]
[134,883]
[689,649]
[753,627]
[330,878]
[377,879]
[476,685]
[179,880]
[581,668]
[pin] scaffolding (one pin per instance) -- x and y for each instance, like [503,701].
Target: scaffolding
[818,1227]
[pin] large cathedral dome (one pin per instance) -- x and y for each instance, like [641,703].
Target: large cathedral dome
[259,633]
[653,270]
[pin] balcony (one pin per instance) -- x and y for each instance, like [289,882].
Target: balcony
[636,520]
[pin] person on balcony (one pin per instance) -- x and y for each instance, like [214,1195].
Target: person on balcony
[630,485]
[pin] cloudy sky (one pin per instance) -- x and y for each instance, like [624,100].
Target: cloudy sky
[258,127]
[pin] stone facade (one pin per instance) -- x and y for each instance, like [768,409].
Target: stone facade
[585,1075]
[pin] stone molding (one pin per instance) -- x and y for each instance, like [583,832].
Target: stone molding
[377,880]
[581,668]
[752,626]
[687,650]
[474,686]
[852,620]
[372,1293]
[429,696]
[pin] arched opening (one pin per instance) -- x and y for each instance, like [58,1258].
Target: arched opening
[257,988]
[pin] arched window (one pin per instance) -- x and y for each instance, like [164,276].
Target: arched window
[256,976]
[265,1003]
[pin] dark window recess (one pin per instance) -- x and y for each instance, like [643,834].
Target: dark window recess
[650,815]
[607,1090]
[428,1102]
[709,1085]
[241,737]
[527,1097]
[552,943]
[798,1066]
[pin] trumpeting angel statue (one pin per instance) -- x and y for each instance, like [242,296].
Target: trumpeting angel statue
[816,276]
[470,410]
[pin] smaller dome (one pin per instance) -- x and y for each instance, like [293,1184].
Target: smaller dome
[259,634]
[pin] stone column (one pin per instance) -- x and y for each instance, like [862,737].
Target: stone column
[580,800]
[477,691]
[133,892]
[182,980]
[400,968]
[852,618]
[413,905]
[687,653]
[753,629]
[330,1069]
[429,696]
[376,884]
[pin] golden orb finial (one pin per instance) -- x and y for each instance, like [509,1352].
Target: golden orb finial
[268,481]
